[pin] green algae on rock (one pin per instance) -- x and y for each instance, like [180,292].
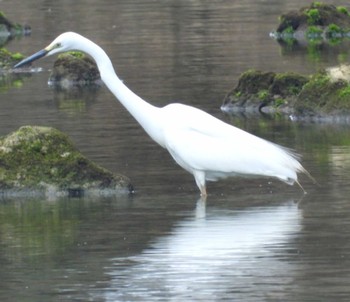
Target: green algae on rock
[317,21]
[8,59]
[257,89]
[43,159]
[74,69]
[8,78]
[326,92]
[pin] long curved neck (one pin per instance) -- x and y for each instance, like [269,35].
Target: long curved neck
[147,115]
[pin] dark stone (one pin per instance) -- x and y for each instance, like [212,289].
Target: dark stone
[287,84]
[74,69]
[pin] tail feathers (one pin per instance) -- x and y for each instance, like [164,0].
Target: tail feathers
[295,168]
[299,168]
[306,172]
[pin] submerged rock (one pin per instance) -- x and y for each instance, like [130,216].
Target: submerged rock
[44,160]
[322,94]
[74,69]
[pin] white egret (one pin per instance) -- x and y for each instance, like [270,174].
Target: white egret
[203,145]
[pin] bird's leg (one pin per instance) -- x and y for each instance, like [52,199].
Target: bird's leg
[199,176]
[203,191]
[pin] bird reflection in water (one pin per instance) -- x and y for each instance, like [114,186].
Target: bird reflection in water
[213,255]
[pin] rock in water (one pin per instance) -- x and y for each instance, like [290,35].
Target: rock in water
[74,69]
[43,159]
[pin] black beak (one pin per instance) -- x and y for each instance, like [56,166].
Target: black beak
[36,56]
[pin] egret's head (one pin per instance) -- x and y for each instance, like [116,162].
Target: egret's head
[64,42]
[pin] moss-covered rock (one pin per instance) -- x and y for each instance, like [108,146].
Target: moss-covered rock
[325,93]
[43,159]
[317,21]
[287,84]
[257,89]
[74,69]
[252,89]
[8,59]
[253,81]
[8,78]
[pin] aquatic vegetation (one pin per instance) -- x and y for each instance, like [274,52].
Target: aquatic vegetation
[344,93]
[314,33]
[263,95]
[343,10]
[313,16]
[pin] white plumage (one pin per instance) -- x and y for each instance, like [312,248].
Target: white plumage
[200,143]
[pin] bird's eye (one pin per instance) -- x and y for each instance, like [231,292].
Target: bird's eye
[58,45]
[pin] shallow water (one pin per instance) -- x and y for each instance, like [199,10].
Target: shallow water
[253,240]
